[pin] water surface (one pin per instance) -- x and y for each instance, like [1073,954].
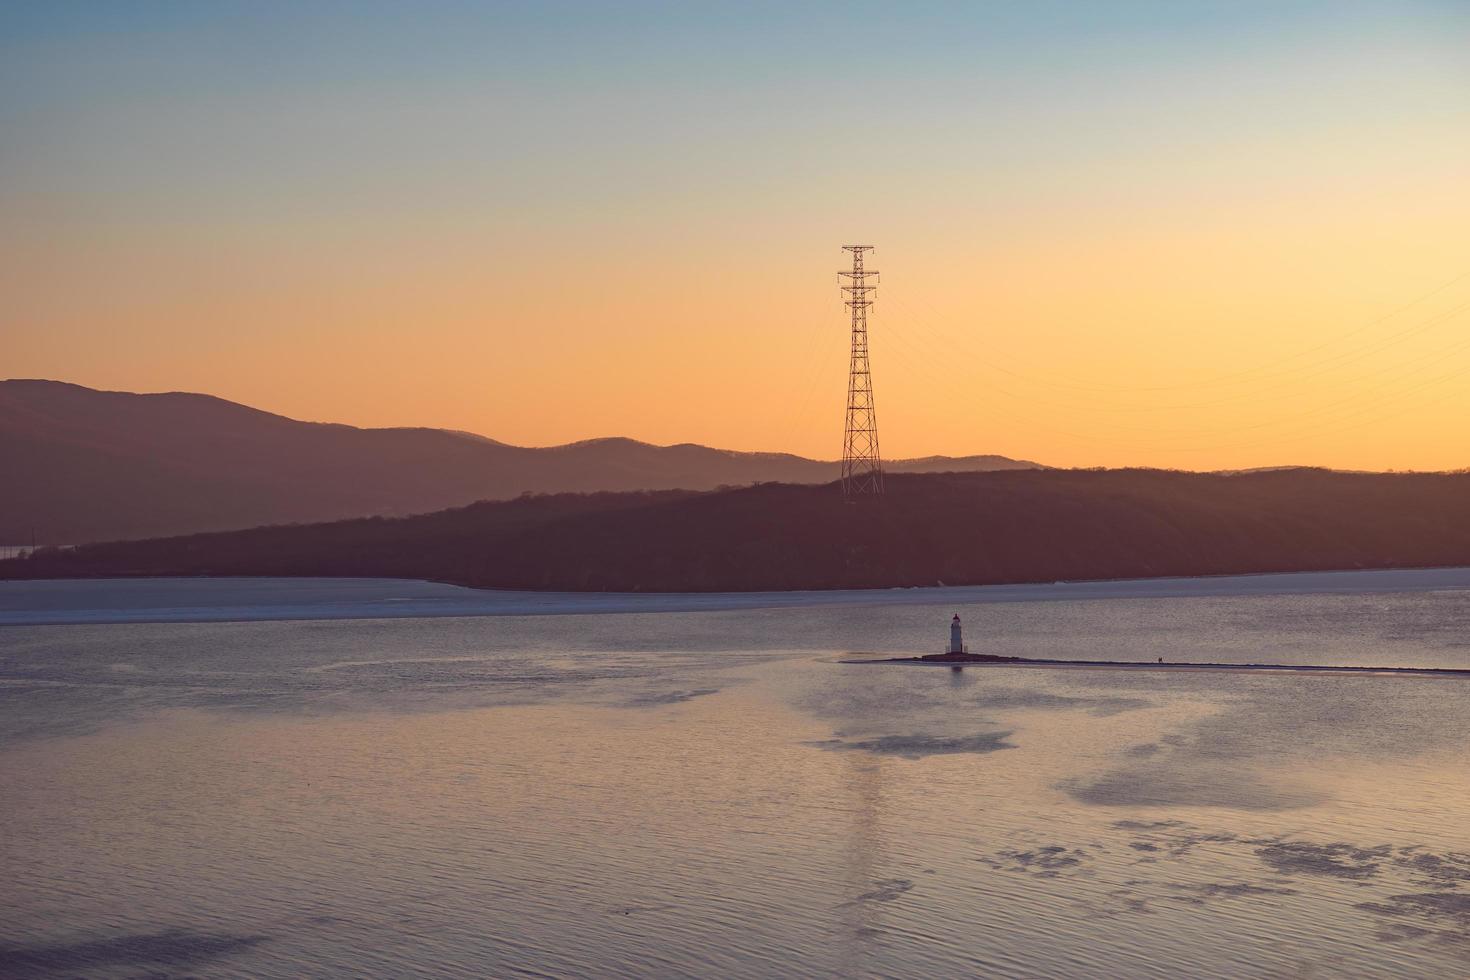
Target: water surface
[708,793]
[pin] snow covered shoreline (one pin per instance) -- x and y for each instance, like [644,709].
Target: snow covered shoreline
[210,600]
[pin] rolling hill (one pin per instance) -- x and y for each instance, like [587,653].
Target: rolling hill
[950,528]
[85,465]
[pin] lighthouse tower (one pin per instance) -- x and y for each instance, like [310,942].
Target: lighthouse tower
[956,643]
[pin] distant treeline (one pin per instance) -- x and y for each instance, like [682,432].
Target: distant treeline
[950,528]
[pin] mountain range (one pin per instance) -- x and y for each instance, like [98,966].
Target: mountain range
[84,465]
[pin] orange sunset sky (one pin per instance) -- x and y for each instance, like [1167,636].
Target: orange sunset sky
[1191,235]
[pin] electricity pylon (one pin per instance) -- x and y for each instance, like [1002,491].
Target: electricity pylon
[862,466]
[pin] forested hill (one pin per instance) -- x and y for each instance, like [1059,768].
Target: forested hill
[954,528]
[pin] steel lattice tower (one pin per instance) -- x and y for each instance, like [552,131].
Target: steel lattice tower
[862,466]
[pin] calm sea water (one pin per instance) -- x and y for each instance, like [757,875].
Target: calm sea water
[708,793]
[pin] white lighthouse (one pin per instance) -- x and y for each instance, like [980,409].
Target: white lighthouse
[956,643]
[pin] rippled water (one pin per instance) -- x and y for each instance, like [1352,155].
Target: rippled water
[708,793]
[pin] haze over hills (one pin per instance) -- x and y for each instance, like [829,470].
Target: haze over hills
[87,465]
[947,528]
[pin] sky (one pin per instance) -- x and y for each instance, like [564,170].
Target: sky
[1196,235]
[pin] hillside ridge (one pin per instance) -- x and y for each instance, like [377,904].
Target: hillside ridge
[87,465]
[1015,526]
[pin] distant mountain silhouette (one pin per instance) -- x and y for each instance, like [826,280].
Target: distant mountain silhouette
[85,465]
[950,528]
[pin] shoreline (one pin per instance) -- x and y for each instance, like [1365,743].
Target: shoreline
[138,600]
